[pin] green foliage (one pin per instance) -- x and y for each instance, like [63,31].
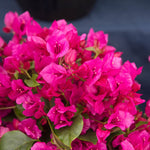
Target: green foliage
[15,140]
[68,134]
[90,136]
[113,135]
[32,81]
[55,139]
[16,75]
[140,123]
[90,49]
[18,112]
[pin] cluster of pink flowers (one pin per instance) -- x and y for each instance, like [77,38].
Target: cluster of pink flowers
[56,80]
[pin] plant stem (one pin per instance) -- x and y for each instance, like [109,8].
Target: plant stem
[128,131]
[51,128]
[62,93]
[57,142]
[5,108]
[26,72]
[99,121]
[110,147]
[80,78]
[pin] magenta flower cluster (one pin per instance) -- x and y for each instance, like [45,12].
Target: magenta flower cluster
[53,80]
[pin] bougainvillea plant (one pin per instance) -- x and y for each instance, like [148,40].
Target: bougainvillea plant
[61,90]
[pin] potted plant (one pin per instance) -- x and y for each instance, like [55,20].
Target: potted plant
[61,90]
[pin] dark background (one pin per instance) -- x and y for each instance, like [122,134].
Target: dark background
[127,23]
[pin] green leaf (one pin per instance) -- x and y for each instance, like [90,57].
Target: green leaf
[78,61]
[90,49]
[18,112]
[59,144]
[15,140]
[96,54]
[16,75]
[79,110]
[34,76]
[114,134]
[86,116]
[90,136]
[47,104]
[68,134]
[55,139]
[32,65]
[140,123]
[32,82]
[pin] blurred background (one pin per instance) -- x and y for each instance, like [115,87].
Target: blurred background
[127,23]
